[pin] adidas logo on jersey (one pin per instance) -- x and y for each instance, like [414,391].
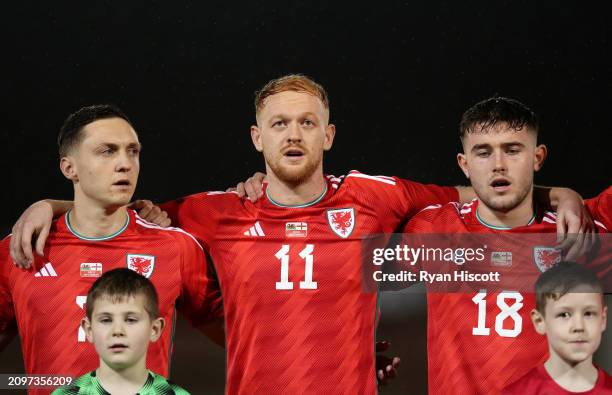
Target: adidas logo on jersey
[255,230]
[46,271]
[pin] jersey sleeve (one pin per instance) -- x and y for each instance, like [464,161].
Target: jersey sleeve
[418,196]
[200,299]
[397,199]
[423,221]
[194,214]
[7,311]
[600,208]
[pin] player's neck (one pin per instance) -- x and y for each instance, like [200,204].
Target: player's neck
[91,221]
[578,377]
[521,215]
[126,381]
[305,193]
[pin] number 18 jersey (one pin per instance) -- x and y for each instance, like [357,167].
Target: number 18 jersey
[479,342]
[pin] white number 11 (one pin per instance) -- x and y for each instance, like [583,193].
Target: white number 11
[306,255]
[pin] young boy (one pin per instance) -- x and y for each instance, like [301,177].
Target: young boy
[122,317]
[570,311]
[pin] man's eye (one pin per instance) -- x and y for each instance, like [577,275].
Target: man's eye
[482,154]
[278,124]
[308,122]
[513,151]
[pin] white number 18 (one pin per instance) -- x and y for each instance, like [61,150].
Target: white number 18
[506,311]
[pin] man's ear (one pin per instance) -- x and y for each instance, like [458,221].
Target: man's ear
[86,325]
[256,137]
[462,162]
[538,322]
[539,157]
[330,133]
[68,168]
[157,326]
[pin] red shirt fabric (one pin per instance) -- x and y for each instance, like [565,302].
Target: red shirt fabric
[48,300]
[538,382]
[463,361]
[297,318]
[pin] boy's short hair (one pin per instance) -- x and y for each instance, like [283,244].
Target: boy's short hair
[71,131]
[118,284]
[563,278]
[291,82]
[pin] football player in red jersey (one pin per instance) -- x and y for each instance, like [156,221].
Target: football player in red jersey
[297,251]
[99,153]
[479,342]
[289,264]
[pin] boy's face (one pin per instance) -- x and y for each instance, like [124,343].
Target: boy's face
[121,331]
[573,325]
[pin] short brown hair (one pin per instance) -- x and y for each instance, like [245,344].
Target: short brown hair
[563,278]
[119,284]
[291,82]
[71,133]
[493,111]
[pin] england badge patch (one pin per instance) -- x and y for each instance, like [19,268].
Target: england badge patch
[296,229]
[546,257]
[141,264]
[341,221]
[91,269]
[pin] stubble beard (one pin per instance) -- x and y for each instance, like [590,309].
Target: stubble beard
[499,203]
[296,175]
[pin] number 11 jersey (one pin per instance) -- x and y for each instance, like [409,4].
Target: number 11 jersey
[297,317]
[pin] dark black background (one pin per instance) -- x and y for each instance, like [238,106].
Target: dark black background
[399,75]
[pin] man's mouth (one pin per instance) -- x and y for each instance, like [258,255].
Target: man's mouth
[118,348]
[293,153]
[500,184]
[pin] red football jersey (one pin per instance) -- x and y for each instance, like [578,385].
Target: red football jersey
[297,317]
[538,382]
[48,301]
[479,342]
[600,208]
